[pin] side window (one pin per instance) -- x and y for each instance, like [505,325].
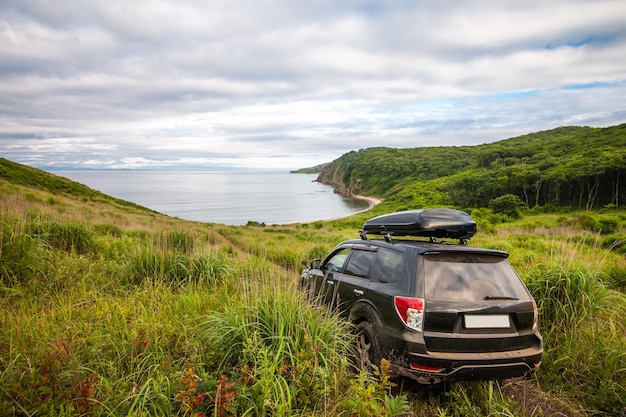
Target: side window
[360,263]
[389,266]
[335,263]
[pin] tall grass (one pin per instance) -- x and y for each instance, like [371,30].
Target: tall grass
[291,356]
[17,251]
[110,312]
[108,321]
[584,329]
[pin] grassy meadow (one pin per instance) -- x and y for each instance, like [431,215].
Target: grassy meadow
[109,309]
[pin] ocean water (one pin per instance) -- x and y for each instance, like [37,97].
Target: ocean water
[232,198]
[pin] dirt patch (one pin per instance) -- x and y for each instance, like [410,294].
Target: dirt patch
[534,401]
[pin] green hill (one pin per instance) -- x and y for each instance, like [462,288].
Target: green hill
[36,179]
[581,167]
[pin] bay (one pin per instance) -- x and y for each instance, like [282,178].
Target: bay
[232,198]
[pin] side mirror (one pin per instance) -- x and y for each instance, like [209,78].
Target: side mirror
[315,264]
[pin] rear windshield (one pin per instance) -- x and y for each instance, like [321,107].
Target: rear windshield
[470,277]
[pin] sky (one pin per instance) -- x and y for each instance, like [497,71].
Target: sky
[231,84]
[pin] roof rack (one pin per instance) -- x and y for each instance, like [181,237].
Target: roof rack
[432,223]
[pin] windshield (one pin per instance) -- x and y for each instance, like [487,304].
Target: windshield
[470,277]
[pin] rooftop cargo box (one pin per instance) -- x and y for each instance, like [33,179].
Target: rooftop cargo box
[436,223]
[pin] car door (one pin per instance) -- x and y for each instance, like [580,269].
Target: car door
[351,284]
[322,282]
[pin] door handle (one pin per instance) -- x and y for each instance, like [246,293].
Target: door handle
[358,293]
[329,282]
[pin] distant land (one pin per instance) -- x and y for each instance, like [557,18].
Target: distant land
[312,170]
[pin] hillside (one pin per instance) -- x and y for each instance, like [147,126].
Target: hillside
[110,309]
[36,179]
[580,167]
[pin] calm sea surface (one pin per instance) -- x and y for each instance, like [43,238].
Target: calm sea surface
[232,198]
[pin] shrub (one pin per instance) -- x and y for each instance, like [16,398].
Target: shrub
[602,224]
[508,204]
[607,224]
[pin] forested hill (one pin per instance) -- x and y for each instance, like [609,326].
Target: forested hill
[569,166]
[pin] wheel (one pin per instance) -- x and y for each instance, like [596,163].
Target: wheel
[367,353]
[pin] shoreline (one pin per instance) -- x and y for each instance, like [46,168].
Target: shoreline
[371,203]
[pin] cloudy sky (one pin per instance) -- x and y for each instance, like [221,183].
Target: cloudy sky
[207,84]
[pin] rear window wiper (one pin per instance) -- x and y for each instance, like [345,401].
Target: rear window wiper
[499,297]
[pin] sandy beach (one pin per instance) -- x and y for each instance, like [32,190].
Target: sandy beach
[371,201]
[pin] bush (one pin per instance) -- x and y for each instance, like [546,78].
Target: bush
[603,224]
[508,204]
[608,224]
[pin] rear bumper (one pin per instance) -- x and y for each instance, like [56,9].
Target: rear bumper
[411,359]
[467,372]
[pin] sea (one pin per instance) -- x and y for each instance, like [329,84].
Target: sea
[232,198]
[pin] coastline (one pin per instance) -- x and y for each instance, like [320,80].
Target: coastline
[371,202]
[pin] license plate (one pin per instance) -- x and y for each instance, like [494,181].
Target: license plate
[487,321]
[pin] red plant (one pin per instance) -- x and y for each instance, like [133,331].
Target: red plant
[84,393]
[224,397]
[188,397]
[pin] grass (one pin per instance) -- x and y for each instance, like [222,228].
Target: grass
[110,310]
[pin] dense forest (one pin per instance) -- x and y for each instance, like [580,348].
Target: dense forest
[581,167]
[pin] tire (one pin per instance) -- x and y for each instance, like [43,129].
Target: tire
[366,349]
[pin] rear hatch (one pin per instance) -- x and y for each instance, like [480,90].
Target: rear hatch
[475,302]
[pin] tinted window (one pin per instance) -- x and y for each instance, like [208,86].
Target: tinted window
[470,277]
[335,263]
[389,266]
[360,263]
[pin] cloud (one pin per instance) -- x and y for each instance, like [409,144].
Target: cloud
[164,85]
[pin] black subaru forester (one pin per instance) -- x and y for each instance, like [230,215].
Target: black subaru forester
[436,310]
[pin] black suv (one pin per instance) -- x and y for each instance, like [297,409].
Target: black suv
[437,311]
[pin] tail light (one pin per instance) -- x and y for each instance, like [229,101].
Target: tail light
[411,312]
[426,368]
[535,316]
